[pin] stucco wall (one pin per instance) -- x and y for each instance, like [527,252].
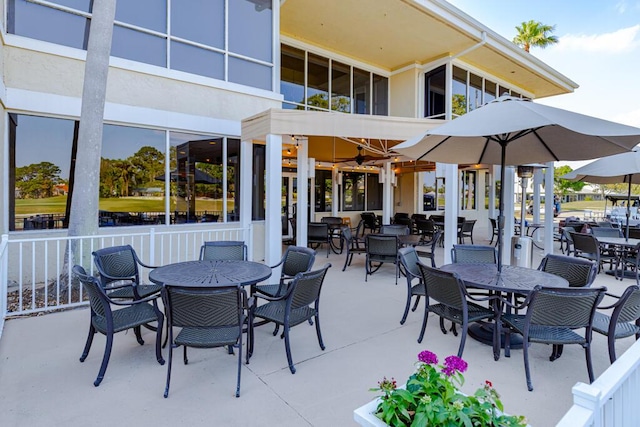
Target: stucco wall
[404,94]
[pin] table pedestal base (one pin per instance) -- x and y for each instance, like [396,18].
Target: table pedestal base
[624,274]
[483,332]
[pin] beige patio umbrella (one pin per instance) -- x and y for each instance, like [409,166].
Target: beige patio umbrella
[619,168]
[514,131]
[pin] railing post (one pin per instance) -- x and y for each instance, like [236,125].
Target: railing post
[586,406]
[152,245]
[4,255]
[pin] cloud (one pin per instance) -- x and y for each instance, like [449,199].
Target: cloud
[623,40]
[623,6]
[631,118]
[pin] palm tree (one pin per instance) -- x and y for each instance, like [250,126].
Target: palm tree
[536,34]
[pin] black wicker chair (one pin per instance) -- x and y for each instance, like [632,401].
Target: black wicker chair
[296,259]
[209,318]
[318,234]
[425,228]
[578,272]
[606,232]
[553,315]
[109,322]
[474,254]
[352,244]
[466,230]
[298,305]
[119,273]
[619,325]
[494,230]
[409,267]
[371,222]
[629,260]
[428,249]
[452,303]
[587,246]
[380,248]
[224,250]
[395,229]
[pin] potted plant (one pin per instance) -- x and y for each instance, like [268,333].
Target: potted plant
[431,397]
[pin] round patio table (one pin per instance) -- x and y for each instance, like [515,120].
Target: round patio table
[211,273]
[512,280]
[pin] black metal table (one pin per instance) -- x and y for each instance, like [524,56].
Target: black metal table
[512,280]
[621,245]
[211,273]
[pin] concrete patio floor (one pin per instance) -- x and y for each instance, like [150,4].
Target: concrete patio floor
[42,383]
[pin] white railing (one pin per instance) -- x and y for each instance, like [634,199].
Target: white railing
[36,272]
[612,399]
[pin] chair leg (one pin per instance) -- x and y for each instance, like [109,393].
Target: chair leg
[556,352]
[138,335]
[587,352]
[166,388]
[525,352]
[346,260]
[612,348]
[239,362]
[105,359]
[415,305]
[507,342]
[87,345]
[424,324]
[185,359]
[320,341]
[406,309]
[463,340]
[159,338]
[288,348]
[276,329]
[442,328]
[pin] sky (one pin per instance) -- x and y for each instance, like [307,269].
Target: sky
[599,49]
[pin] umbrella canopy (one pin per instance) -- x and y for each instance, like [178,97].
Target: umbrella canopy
[200,177]
[619,168]
[532,132]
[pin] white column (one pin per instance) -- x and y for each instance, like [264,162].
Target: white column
[302,215]
[548,208]
[537,181]
[312,187]
[451,193]
[273,202]
[336,185]
[509,213]
[493,212]
[387,193]
[246,192]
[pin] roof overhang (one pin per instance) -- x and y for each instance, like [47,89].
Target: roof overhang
[393,34]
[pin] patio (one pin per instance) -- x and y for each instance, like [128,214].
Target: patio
[43,383]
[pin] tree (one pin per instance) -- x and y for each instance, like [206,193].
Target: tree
[83,218]
[562,186]
[36,181]
[534,34]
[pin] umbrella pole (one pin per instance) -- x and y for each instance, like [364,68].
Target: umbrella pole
[628,207]
[503,155]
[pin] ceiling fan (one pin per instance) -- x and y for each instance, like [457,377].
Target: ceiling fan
[361,158]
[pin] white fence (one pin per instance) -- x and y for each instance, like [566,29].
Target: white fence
[36,272]
[612,399]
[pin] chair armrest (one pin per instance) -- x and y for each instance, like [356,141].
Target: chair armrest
[614,305]
[124,285]
[105,275]
[152,298]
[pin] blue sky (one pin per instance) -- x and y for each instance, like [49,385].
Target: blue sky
[599,49]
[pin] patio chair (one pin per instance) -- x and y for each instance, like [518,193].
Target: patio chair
[553,315]
[587,246]
[318,234]
[425,228]
[428,250]
[335,225]
[371,222]
[380,248]
[296,259]
[223,250]
[578,272]
[301,303]
[109,322]
[452,303]
[466,230]
[409,267]
[494,230]
[624,320]
[291,240]
[403,220]
[606,232]
[474,254]
[120,275]
[395,229]
[566,241]
[353,245]
[630,259]
[209,317]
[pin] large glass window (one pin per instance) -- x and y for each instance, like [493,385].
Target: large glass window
[489,91]
[468,193]
[355,185]
[292,76]
[434,101]
[361,91]
[323,190]
[196,30]
[203,179]
[475,91]
[374,192]
[317,81]
[459,95]
[380,95]
[340,87]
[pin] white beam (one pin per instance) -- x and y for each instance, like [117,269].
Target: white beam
[273,202]
[451,192]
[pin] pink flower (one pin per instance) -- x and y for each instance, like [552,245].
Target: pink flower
[427,357]
[453,364]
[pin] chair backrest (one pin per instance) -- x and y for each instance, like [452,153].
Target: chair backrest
[98,300]
[467,225]
[606,232]
[223,250]
[409,262]
[425,226]
[305,288]
[331,220]
[437,218]
[565,307]
[474,254]
[358,230]
[297,259]
[628,308]
[400,215]
[586,243]
[579,272]
[369,219]
[416,216]
[119,262]
[382,245]
[443,287]
[494,224]
[318,232]
[395,229]
[406,221]
[205,307]
[604,224]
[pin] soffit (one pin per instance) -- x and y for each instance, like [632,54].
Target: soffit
[392,34]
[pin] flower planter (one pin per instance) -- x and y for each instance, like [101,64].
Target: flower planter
[364,415]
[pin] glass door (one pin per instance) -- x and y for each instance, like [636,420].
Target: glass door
[289,201]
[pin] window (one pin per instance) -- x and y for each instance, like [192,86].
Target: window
[380,95]
[468,187]
[340,87]
[459,96]
[132,175]
[374,192]
[489,91]
[475,91]
[292,77]
[361,91]
[434,101]
[318,82]
[323,190]
[196,39]
[354,187]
